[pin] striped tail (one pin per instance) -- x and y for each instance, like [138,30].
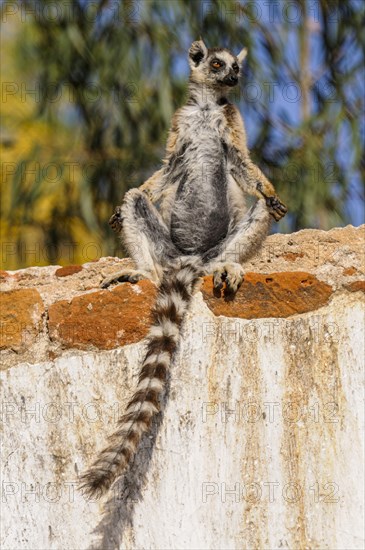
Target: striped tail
[172,303]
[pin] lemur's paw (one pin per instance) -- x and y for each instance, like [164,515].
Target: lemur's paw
[116,221]
[277,209]
[230,273]
[124,276]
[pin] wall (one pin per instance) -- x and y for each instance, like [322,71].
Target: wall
[261,442]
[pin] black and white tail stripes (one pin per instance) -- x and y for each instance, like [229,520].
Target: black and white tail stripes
[173,299]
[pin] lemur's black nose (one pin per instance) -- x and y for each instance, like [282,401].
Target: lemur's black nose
[231,80]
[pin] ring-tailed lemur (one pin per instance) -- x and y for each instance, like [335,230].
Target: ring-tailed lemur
[187,220]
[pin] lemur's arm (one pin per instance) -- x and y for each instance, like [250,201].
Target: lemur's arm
[173,135]
[154,187]
[248,176]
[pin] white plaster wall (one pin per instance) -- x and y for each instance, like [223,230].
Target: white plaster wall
[215,480]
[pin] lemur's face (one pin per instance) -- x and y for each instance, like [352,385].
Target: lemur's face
[216,67]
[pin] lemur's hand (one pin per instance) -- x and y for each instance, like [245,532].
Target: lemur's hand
[277,209]
[116,221]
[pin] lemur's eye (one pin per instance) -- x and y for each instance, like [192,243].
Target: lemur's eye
[216,64]
[235,67]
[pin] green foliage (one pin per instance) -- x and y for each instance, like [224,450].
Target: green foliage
[109,76]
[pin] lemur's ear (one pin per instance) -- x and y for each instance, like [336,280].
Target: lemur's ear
[241,56]
[197,52]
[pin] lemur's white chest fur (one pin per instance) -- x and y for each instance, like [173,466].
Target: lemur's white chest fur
[204,190]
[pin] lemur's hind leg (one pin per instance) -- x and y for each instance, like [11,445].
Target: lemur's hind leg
[145,236]
[242,241]
[124,275]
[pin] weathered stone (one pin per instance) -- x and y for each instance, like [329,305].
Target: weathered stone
[261,438]
[68,270]
[350,271]
[292,256]
[105,319]
[270,295]
[20,316]
[355,286]
[263,427]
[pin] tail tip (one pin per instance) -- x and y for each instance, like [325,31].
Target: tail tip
[92,486]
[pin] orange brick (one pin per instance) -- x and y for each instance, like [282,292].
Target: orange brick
[273,295]
[20,317]
[105,319]
[68,270]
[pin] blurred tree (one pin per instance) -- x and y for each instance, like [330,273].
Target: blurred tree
[106,77]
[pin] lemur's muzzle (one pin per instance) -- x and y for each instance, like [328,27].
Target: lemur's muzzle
[230,79]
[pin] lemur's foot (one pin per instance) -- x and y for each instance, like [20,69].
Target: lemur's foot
[116,221]
[230,273]
[124,276]
[277,209]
